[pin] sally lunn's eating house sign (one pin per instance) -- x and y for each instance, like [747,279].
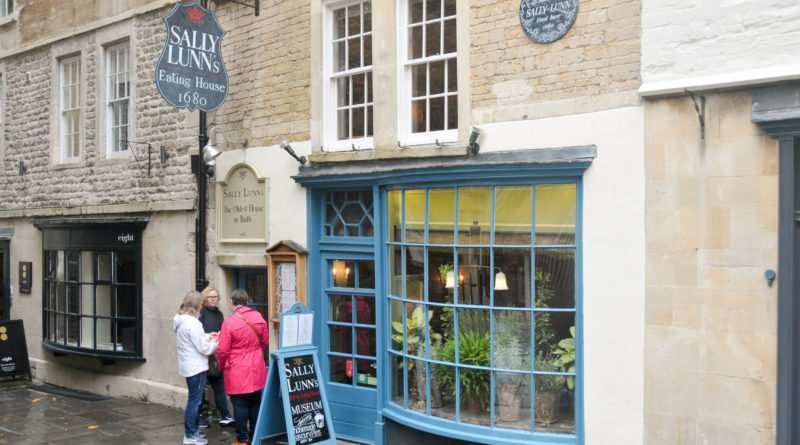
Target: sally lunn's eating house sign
[190,71]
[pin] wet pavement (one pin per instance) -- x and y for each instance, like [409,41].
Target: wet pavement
[33,417]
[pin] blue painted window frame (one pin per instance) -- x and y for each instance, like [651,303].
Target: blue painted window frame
[469,175]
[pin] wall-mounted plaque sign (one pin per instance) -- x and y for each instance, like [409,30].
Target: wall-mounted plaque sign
[25,271]
[190,71]
[243,207]
[546,21]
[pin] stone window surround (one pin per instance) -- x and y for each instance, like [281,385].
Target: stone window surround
[330,120]
[386,74]
[67,66]
[60,52]
[108,37]
[63,49]
[405,62]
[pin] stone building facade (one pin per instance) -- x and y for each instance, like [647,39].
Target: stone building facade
[577,168]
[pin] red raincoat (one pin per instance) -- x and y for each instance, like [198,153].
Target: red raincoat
[240,353]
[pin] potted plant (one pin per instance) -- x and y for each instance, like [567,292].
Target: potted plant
[510,353]
[475,383]
[548,390]
[565,361]
[416,345]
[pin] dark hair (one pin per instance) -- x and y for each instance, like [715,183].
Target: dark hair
[239,297]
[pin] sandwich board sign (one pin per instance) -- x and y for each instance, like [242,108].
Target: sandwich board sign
[294,407]
[190,71]
[13,350]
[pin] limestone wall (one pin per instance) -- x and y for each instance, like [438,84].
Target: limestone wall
[711,225]
[595,66]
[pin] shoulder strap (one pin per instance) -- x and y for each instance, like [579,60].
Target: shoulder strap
[248,324]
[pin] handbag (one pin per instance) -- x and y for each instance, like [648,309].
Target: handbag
[213,366]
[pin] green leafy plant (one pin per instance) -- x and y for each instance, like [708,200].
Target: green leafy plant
[545,334]
[510,352]
[415,331]
[473,350]
[565,361]
[548,383]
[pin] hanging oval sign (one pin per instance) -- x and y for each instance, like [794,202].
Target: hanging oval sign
[190,71]
[546,21]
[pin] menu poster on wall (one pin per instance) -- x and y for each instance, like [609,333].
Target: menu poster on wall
[305,403]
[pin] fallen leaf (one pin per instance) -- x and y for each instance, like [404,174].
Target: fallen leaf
[37,400]
[54,399]
[94,427]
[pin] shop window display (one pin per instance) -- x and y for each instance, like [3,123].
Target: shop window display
[482,304]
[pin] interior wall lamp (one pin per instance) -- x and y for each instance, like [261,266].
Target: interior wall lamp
[500,282]
[285,145]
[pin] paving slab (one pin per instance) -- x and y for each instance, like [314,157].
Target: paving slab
[34,416]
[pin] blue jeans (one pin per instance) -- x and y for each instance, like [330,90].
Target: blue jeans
[218,385]
[245,408]
[195,383]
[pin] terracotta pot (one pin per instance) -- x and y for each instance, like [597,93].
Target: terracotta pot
[547,407]
[509,403]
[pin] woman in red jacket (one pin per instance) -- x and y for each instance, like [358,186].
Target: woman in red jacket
[243,338]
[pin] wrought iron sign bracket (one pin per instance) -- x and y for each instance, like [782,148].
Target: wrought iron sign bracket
[256,6]
[701,112]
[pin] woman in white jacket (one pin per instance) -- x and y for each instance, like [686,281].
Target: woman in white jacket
[194,347]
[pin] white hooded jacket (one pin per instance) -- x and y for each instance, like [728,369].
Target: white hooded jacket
[193,345]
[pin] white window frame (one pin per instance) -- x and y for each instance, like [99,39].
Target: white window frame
[117,148]
[68,151]
[6,7]
[404,88]
[330,139]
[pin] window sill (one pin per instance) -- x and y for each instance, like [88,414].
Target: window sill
[11,18]
[104,355]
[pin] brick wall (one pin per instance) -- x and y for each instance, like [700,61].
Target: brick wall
[594,66]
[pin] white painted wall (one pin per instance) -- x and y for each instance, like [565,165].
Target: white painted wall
[613,258]
[710,44]
[287,199]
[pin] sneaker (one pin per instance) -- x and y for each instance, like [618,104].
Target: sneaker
[202,423]
[202,434]
[226,421]
[194,440]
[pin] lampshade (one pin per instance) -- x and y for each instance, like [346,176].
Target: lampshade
[449,281]
[500,281]
[210,153]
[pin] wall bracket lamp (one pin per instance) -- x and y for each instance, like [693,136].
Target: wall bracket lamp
[285,145]
[22,168]
[474,147]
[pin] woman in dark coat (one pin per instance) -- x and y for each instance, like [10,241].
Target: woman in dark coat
[211,318]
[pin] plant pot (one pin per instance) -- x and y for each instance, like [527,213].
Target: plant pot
[436,395]
[547,407]
[509,402]
[473,403]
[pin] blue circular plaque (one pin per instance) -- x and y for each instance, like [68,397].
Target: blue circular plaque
[546,21]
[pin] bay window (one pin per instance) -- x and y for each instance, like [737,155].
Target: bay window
[482,304]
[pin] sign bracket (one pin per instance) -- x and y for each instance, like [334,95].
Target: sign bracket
[256,6]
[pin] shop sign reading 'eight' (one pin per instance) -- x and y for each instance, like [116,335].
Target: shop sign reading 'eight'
[190,71]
